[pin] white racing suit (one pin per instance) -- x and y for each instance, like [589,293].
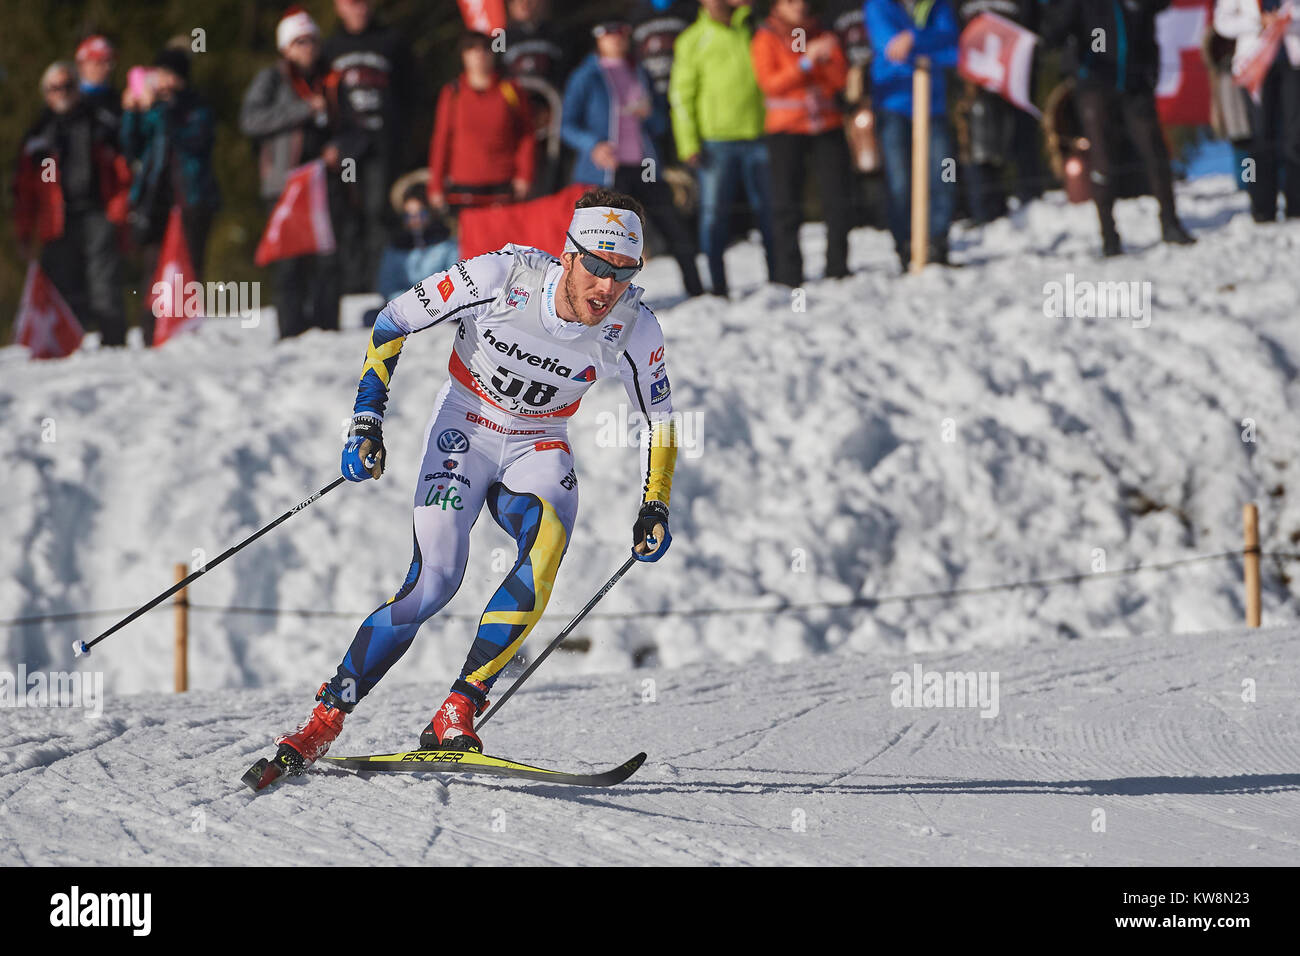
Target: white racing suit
[498,436]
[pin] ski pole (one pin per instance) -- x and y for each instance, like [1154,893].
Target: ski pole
[558,638]
[83,647]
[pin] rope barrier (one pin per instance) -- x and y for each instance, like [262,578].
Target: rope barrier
[779,608]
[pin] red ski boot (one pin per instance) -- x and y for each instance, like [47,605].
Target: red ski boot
[452,727]
[313,738]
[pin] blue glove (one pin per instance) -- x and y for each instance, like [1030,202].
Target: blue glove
[646,544]
[363,453]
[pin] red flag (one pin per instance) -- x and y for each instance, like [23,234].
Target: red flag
[1183,88]
[173,310]
[1251,74]
[300,222]
[998,54]
[539,223]
[484,16]
[45,324]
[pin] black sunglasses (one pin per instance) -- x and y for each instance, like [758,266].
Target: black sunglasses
[602,268]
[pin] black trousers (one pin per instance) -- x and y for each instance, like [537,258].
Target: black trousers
[791,158]
[1098,109]
[1275,123]
[359,211]
[658,201]
[86,267]
[306,292]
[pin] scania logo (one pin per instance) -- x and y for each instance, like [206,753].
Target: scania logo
[434,476]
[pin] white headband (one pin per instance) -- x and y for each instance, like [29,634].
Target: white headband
[603,229]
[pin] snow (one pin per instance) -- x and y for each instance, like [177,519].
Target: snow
[773,764]
[886,435]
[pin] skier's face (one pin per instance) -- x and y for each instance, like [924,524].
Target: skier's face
[590,298]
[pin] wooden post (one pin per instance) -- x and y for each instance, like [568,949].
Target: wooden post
[182,632]
[920,163]
[1250,519]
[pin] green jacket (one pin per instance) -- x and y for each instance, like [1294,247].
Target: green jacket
[712,89]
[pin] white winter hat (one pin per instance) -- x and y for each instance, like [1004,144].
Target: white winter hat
[295,23]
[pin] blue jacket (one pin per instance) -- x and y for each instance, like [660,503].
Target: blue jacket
[936,33]
[183,130]
[589,119]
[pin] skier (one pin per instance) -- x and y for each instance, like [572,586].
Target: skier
[532,334]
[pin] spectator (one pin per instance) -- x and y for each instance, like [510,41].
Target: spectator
[420,246]
[610,122]
[717,116]
[656,24]
[1275,118]
[1000,135]
[95,61]
[866,192]
[846,19]
[537,53]
[805,133]
[74,215]
[1230,106]
[285,113]
[1117,79]
[482,150]
[534,46]
[902,31]
[168,130]
[369,81]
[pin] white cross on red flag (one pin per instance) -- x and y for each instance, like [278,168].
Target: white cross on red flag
[998,54]
[300,222]
[167,298]
[45,323]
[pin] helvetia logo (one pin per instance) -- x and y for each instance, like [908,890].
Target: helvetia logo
[512,350]
[588,374]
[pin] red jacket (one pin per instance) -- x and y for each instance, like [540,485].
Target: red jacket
[38,198]
[797,100]
[481,138]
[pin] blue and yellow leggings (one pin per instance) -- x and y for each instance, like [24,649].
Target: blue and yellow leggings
[523,472]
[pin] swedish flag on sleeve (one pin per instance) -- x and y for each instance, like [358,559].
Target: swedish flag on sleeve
[381,359]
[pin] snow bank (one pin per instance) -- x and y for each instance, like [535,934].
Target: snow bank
[884,435]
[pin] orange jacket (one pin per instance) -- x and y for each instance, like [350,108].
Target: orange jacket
[797,100]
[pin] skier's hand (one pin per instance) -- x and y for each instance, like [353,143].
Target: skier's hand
[363,453]
[650,535]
